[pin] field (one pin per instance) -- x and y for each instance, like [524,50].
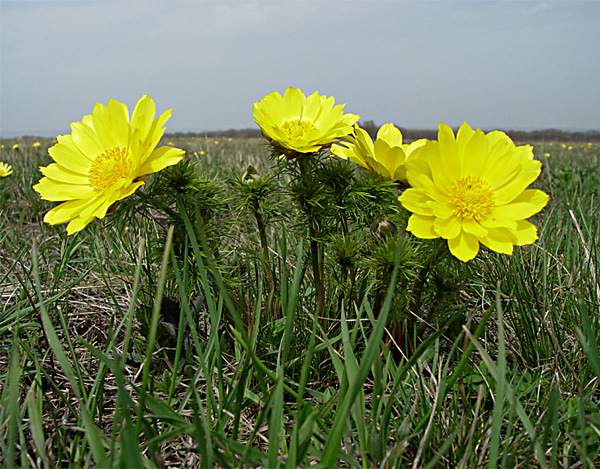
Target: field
[184,329]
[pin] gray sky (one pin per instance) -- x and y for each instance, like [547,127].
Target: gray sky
[507,65]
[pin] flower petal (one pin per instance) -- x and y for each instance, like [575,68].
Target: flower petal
[415,200]
[498,240]
[474,227]
[61,174]
[52,190]
[464,247]
[160,159]
[422,227]
[447,228]
[78,224]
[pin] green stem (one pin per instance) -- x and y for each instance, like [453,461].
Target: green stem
[314,253]
[403,332]
[422,277]
[266,260]
[314,245]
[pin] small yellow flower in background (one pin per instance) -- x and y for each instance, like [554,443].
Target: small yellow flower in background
[570,147]
[106,158]
[471,189]
[216,142]
[15,146]
[5,170]
[386,156]
[547,155]
[295,124]
[35,144]
[202,152]
[563,145]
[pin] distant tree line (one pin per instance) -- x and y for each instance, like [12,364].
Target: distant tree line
[409,135]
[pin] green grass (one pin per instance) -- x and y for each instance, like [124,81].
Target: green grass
[154,339]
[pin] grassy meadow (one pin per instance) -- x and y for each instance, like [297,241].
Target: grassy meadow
[182,329]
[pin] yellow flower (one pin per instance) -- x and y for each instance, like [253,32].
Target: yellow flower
[36,144]
[106,158]
[295,124]
[15,146]
[5,170]
[472,189]
[547,155]
[387,156]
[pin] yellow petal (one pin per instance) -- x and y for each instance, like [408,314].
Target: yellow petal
[518,183]
[86,140]
[78,224]
[160,159]
[472,157]
[415,200]
[464,247]
[390,134]
[448,228]
[111,124]
[498,240]
[446,143]
[147,144]
[61,174]
[440,210]
[95,208]
[499,219]
[526,233]
[528,203]
[57,191]
[422,226]
[474,227]
[70,157]
[143,115]
[66,211]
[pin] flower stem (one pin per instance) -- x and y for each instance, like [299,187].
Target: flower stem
[415,305]
[404,334]
[314,253]
[266,262]
[304,166]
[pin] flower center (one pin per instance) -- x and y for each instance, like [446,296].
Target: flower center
[297,128]
[471,197]
[108,168]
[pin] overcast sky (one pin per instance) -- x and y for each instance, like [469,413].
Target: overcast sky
[506,65]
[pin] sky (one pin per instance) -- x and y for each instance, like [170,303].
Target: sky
[494,64]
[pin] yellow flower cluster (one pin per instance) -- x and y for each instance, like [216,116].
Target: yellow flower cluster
[469,188]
